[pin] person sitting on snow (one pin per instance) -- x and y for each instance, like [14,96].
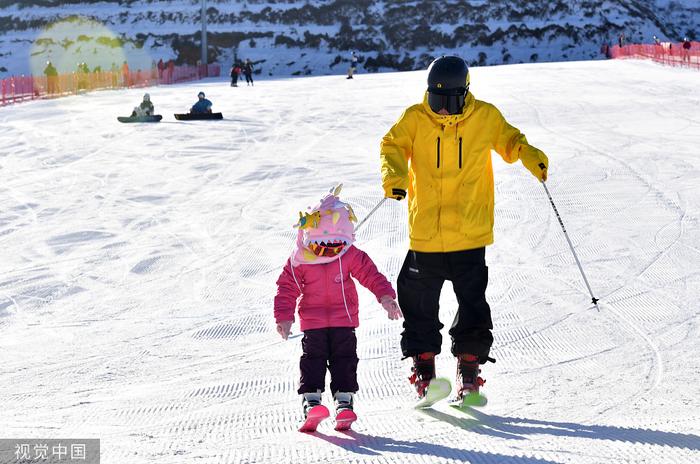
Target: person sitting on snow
[145,108]
[202,106]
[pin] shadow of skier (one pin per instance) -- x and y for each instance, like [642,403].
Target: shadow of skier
[372,445]
[517,428]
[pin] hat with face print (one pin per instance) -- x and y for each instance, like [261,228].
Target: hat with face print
[326,231]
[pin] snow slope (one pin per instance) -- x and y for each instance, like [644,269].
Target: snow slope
[139,261]
[301,37]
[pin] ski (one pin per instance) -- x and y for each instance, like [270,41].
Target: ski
[471,400]
[344,419]
[438,389]
[313,418]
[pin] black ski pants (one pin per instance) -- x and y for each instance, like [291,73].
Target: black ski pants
[419,284]
[335,349]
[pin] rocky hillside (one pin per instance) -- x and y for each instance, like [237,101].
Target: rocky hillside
[303,37]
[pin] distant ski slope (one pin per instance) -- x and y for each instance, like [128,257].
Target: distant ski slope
[139,263]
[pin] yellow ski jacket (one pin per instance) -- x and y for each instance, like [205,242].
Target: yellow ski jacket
[444,163]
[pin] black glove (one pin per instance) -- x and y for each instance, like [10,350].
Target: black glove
[398,194]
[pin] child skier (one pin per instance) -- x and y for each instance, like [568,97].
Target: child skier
[319,271]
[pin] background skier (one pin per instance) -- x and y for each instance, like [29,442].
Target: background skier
[353,65]
[320,271]
[171,70]
[248,71]
[51,78]
[235,72]
[439,153]
[126,75]
[161,68]
[685,50]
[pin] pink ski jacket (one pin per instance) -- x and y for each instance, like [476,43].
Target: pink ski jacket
[327,299]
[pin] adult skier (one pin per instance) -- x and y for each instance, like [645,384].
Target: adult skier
[51,78]
[248,71]
[235,72]
[126,75]
[439,155]
[202,106]
[353,65]
[161,68]
[685,50]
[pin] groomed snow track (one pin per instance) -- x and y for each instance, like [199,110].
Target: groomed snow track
[139,263]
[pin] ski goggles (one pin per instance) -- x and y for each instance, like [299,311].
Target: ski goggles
[450,100]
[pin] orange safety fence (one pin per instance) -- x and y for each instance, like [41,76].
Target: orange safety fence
[17,89]
[672,54]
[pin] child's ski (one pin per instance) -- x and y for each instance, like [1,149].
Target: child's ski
[313,418]
[344,419]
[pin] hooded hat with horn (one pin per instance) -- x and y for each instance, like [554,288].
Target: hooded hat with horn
[326,231]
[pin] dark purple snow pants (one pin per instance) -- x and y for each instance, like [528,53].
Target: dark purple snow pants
[335,349]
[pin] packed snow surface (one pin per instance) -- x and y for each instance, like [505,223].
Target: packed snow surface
[139,261]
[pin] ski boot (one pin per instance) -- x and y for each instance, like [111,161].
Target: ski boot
[469,381]
[344,415]
[343,401]
[423,372]
[314,411]
[309,400]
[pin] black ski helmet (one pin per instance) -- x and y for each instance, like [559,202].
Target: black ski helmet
[448,84]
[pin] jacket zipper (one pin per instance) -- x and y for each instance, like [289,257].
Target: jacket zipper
[342,287]
[438,152]
[440,187]
[460,153]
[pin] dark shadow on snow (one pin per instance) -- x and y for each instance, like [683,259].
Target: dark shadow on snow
[372,445]
[516,428]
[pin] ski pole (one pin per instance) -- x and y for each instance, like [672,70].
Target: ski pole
[561,223]
[381,202]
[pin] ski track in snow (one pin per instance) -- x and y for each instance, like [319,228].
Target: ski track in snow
[140,261]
